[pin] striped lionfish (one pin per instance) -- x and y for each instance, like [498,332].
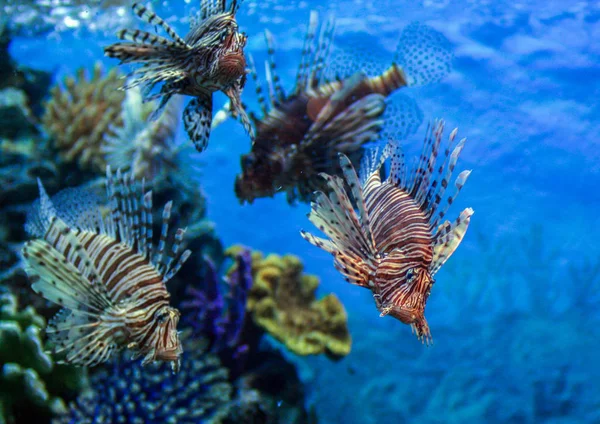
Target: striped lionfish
[300,134]
[104,274]
[396,244]
[210,58]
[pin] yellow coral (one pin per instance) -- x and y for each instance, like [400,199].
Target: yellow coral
[82,113]
[282,301]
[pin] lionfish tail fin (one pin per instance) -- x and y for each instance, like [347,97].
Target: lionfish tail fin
[350,241]
[197,120]
[80,339]
[424,54]
[447,239]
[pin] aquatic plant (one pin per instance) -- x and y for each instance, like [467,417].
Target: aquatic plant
[217,316]
[282,301]
[81,113]
[220,315]
[146,149]
[126,392]
[31,384]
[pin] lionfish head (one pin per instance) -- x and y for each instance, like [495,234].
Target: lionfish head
[407,302]
[227,45]
[168,347]
[257,178]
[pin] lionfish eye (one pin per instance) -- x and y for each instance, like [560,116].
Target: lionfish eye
[410,276]
[161,317]
[247,161]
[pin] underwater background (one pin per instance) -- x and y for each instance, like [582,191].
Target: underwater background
[514,312]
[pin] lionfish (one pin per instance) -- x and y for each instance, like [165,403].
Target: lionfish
[210,58]
[105,274]
[395,244]
[300,133]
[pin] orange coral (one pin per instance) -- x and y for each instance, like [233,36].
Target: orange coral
[80,115]
[282,301]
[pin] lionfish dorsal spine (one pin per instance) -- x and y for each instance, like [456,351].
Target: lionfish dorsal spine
[317,76]
[260,96]
[143,37]
[273,100]
[153,19]
[272,77]
[146,245]
[302,81]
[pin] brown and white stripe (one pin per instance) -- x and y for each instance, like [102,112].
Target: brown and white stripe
[393,246]
[109,279]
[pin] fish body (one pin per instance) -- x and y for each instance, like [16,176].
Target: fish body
[396,242]
[209,58]
[300,134]
[105,274]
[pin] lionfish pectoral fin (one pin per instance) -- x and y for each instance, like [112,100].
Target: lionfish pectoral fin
[59,281]
[197,119]
[350,243]
[352,127]
[420,328]
[239,111]
[222,115]
[83,338]
[149,358]
[447,239]
[156,113]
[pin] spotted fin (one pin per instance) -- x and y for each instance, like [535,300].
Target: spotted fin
[424,53]
[447,239]
[197,120]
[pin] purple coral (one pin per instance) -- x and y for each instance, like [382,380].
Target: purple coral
[221,318]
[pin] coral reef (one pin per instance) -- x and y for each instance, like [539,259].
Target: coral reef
[219,317]
[282,301]
[129,393]
[32,84]
[269,393]
[80,114]
[147,149]
[31,385]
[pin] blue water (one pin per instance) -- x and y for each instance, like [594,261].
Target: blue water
[514,315]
